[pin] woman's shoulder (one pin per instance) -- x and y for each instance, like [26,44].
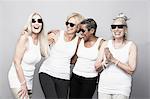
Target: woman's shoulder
[104,43]
[132,44]
[24,36]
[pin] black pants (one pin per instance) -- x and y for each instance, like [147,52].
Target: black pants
[53,88]
[81,87]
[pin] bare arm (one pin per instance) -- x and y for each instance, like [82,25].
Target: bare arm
[99,62]
[20,50]
[53,36]
[130,67]
[74,58]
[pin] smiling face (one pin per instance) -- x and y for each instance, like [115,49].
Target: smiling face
[71,25]
[84,32]
[36,24]
[119,28]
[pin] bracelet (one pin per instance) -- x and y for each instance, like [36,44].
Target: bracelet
[23,82]
[117,62]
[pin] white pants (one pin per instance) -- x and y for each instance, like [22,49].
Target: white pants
[15,93]
[111,96]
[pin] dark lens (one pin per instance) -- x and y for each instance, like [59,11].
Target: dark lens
[82,30]
[113,26]
[33,21]
[40,21]
[67,23]
[120,26]
[72,25]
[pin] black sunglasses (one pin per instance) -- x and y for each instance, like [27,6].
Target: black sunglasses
[38,20]
[81,30]
[71,24]
[119,26]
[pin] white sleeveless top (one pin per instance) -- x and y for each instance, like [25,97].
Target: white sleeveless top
[114,80]
[58,63]
[86,59]
[31,57]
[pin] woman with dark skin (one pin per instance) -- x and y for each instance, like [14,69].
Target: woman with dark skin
[84,76]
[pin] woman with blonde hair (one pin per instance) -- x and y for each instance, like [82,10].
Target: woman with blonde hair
[30,46]
[54,73]
[118,60]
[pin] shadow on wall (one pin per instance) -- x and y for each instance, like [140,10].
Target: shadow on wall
[140,88]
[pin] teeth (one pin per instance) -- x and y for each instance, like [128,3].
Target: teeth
[36,27]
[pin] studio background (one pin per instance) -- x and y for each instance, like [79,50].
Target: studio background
[14,15]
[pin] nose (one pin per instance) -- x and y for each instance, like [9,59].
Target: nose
[68,26]
[36,24]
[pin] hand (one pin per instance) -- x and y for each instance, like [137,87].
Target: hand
[23,93]
[25,30]
[54,31]
[51,38]
[108,54]
[98,65]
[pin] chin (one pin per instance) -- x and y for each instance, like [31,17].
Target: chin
[36,31]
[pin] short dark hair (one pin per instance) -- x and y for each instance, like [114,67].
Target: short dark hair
[90,24]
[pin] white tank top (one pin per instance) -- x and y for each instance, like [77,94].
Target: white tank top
[31,57]
[114,80]
[86,59]
[58,63]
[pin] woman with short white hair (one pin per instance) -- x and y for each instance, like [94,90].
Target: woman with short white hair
[118,60]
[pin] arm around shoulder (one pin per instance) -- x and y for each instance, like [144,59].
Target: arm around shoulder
[53,36]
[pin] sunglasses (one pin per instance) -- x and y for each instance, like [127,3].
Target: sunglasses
[71,24]
[81,30]
[38,20]
[119,26]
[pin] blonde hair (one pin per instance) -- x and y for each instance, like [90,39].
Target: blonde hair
[75,15]
[42,37]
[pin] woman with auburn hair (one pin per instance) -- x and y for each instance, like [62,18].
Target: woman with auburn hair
[54,73]
[118,60]
[30,46]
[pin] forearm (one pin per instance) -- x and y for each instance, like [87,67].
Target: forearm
[74,59]
[125,67]
[99,66]
[20,73]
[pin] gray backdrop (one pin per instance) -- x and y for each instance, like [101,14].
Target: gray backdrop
[14,14]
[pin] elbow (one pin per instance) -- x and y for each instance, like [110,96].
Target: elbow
[16,63]
[131,71]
